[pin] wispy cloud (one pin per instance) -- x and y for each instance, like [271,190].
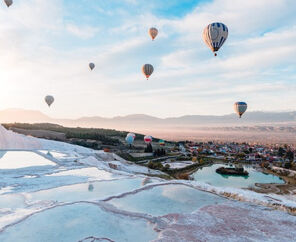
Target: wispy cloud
[46,46]
[83,32]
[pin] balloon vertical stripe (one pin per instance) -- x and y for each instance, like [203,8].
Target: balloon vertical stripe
[147,70]
[214,35]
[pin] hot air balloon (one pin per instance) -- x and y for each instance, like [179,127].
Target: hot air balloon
[214,35]
[240,108]
[130,138]
[8,3]
[153,32]
[131,134]
[91,66]
[161,142]
[148,139]
[147,70]
[49,100]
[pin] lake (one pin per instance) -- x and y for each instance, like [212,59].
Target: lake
[208,175]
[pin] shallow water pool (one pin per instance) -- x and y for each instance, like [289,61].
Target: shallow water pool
[208,175]
[22,159]
[88,191]
[77,222]
[165,199]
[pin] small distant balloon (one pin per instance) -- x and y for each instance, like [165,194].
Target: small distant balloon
[130,138]
[147,70]
[148,139]
[161,142]
[153,32]
[49,100]
[214,35]
[240,108]
[8,2]
[91,66]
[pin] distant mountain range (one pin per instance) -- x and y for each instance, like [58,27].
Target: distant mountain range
[264,127]
[146,121]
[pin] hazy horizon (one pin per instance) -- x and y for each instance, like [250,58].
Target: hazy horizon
[51,115]
[259,127]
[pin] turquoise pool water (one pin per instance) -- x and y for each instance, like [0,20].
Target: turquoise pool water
[76,222]
[166,199]
[88,191]
[208,175]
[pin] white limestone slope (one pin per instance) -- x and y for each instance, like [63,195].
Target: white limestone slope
[10,140]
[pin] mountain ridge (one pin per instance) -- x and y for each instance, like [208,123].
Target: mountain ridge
[256,117]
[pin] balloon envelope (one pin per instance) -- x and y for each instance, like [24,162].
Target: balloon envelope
[49,100]
[147,70]
[8,2]
[130,139]
[240,108]
[153,32]
[148,139]
[91,66]
[131,134]
[214,35]
[161,142]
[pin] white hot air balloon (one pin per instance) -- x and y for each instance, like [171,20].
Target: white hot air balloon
[148,139]
[240,108]
[131,134]
[153,32]
[49,100]
[91,66]
[147,70]
[214,35]
[130,138]
[8,3]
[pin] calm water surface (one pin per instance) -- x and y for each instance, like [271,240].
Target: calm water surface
[208,175]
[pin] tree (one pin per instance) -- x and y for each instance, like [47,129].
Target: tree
[290,155]
[281,152]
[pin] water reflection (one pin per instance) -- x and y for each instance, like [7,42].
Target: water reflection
[208,175]
[22,159]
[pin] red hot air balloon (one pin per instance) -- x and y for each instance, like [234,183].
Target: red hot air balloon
[148,139]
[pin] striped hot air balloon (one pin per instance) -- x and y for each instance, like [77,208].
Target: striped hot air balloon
[147,70]
[148,139]
[161,142]
[214,35]
[153,32]
[240,108]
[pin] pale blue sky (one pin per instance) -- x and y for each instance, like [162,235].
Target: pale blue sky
[46,46]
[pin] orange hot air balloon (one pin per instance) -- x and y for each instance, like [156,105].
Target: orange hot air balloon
[153,32]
